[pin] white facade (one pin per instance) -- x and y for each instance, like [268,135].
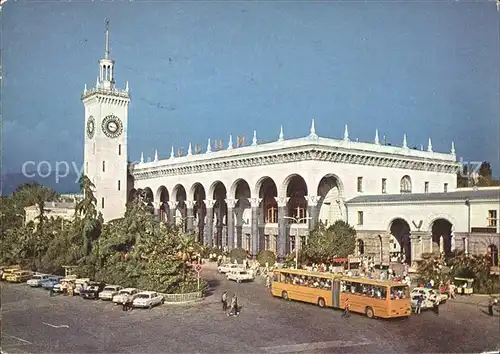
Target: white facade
[268,196]
[54,210]
[105,151]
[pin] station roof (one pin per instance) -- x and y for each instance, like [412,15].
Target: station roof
[458,195]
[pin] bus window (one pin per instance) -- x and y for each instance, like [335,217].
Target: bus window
[399,292]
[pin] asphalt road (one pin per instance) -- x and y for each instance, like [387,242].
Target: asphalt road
[32,322]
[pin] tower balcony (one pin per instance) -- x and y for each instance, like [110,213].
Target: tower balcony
[105,92]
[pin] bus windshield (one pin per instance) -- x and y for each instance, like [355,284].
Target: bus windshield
[399,292]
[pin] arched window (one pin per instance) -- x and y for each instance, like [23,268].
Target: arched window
[405,185]
[272,214]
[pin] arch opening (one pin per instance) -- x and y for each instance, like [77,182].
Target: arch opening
[296,190]
[219,214]
[399,241]
[163,198]
[441,236]
[199,210]
[405,184]
[148,199]
[180,196]
[268,192]
[330,204]
[242,214]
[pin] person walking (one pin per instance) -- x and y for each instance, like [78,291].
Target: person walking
[125,302]
[346,309]
[491,302]
[268,281]
[418,308]
[51,291]
[224,302]
[436,307]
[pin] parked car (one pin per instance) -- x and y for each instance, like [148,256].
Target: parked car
[429,294]
[109,291]
[20,276]
[50,282]
[239,275]
[148,299]
[225,268]
[131,294]
[58,288]
[37,280]
[92,290]
[9,270]
[79,284]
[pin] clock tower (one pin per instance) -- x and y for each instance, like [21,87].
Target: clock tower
[105,152]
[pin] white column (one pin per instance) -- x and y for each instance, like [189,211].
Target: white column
[452,242]
[466,245]
[441,244]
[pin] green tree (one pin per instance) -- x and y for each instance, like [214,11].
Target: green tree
[338,240]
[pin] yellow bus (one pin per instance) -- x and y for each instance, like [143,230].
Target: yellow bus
[374,298]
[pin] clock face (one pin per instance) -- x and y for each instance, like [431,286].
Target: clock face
[112,126]
[90,127]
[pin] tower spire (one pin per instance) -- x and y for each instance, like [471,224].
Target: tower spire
[106,45]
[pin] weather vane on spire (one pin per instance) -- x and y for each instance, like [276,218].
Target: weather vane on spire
[106,49]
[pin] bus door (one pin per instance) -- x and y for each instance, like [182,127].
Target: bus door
[336,293]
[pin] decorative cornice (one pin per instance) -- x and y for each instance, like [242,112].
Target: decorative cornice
[106,93]
[165,168]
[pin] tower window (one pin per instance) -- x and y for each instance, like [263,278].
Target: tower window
[119,149]
[360,184]
[102,202]
[119,185]
[426,187]
[405,184]
[384,185]
[446,187]
[104,166]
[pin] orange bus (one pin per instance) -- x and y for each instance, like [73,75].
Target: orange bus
[374,298]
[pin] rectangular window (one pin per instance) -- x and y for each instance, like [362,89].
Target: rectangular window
[446,187]
[492,218]
[102,202]
[360,184]
[384,185]
[104,166]
[119,149]
[119,185]
[360,218]
[426,187]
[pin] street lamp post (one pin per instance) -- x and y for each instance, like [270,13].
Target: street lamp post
[297,221]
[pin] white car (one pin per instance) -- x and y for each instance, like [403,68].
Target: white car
[239,275]
[429,294]
[109,291]
[148,299]
[79,284]
[37,280]
[130,293]
[225,268]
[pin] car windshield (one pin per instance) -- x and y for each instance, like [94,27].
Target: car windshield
[127,292]
[143,296]
[243,272]
[110,288]
[37,277]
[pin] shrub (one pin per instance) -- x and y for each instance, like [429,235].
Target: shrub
[266,256]
[238,254]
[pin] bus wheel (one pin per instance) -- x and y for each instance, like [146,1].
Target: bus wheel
[284,295]
[321,302]
[369,312]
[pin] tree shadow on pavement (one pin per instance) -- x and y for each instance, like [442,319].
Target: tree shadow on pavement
[212,285]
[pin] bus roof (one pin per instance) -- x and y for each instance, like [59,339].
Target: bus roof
[329,275]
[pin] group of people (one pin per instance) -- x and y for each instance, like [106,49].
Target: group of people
[233,310]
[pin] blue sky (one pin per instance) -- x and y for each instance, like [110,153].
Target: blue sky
[220,68]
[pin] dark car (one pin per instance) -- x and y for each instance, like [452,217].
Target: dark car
[92,291]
